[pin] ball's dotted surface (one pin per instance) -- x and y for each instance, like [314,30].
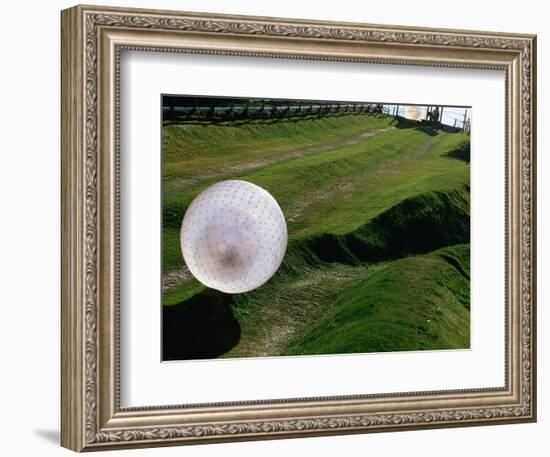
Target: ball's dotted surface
[233,236]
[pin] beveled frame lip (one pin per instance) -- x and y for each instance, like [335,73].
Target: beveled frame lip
[92,39]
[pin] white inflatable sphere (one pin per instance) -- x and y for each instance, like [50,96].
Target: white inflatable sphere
[233,236]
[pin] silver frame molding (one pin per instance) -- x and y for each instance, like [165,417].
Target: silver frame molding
[92,41]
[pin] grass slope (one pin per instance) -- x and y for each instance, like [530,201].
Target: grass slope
[189,149]
[309,285]
[344,180]
[410,304]
[417,225]
[378,220]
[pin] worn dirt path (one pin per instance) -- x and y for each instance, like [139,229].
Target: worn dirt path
[288,309]
[239,168]
[332,189]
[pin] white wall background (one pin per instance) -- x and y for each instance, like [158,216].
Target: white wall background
[29,227]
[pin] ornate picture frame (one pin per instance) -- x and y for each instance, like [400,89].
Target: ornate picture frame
[93,39]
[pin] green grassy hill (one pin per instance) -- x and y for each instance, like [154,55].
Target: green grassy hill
[368,202]
[414,303]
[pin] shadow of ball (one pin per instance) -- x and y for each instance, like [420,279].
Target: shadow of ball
[202,327]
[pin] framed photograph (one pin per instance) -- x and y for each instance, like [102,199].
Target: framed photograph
[275,228]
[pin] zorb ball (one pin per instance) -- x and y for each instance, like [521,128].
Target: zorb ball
[233,236]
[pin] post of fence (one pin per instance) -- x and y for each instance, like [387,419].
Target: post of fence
[172,110]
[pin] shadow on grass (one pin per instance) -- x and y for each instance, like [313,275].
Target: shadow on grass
[428,128]
[202,327]
[462,152]
[239,120]
[416,225]
[423,126]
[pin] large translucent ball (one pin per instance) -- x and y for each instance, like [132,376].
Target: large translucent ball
[233,236]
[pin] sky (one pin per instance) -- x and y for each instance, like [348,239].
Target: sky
[417,112]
